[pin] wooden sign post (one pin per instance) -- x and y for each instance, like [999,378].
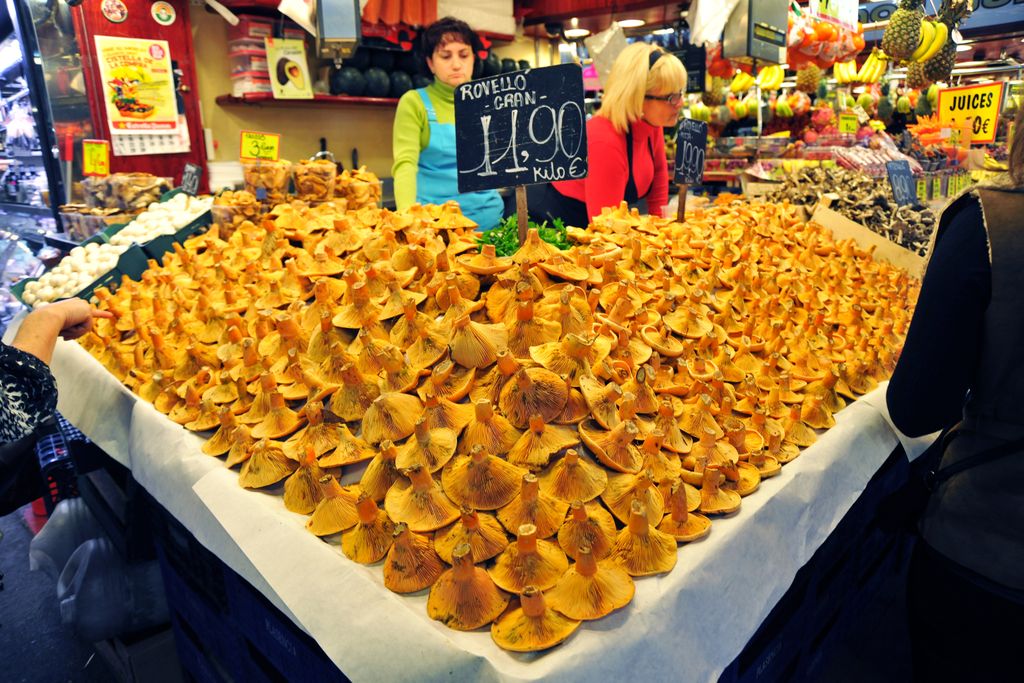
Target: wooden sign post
[691,147]
[521,128]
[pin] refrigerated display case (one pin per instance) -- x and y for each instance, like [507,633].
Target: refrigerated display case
[29,170]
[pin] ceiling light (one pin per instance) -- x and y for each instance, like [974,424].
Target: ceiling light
[631,23]
[575,31]
[667,31]
[963,47]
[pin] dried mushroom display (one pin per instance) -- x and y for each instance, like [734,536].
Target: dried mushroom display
[863,199]
[529,433]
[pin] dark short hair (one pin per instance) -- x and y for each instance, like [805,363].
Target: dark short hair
[444,30]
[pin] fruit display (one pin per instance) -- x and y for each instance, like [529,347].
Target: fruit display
[938,64]
[903,34]
[863,199]
[162,218]
[812,41]
[930,146]
[808,79]
[925,44]
[505,414]
[741,83]
[871,160]
[873,67]
[845,72]
[771,77]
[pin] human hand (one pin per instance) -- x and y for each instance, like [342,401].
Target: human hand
[74,316]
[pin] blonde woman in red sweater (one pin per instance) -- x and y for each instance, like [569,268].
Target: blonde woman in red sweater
[625,141]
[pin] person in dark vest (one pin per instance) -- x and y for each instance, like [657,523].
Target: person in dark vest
[962,362]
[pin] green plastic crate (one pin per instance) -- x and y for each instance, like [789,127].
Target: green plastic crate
[131,263]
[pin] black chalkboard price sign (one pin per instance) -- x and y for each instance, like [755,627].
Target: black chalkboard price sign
[901,179]
[521,128]
[691,146]
[190,179]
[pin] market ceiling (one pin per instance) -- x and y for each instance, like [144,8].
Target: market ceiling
[597,15]
[991,18]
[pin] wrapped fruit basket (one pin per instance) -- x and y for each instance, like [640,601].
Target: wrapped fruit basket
[526,436]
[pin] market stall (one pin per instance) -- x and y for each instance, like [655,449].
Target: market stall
[264,542]
[685,407]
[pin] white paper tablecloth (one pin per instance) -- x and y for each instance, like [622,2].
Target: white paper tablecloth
[688,625]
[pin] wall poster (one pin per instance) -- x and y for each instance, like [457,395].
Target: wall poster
[138,85]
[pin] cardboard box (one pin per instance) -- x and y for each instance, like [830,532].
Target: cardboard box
[843,228]
[152,659]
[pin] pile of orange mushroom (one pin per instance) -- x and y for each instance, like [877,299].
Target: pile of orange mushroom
[508,415]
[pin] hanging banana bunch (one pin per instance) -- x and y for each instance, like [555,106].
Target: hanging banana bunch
[741,83]
[771,77]
[873,67]
[845,72]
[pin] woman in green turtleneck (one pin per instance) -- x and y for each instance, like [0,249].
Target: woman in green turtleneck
[423,140]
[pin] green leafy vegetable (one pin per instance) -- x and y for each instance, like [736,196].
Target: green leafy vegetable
[505,237]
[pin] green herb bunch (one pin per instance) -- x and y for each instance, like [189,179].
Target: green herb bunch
[505,237]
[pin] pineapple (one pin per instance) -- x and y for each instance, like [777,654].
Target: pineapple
[904,31]
[916,78]
[808,78]
[714,97]
[940,66]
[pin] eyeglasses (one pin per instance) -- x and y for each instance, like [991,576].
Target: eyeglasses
[674,99]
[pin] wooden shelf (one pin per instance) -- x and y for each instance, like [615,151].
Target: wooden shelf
[260,99]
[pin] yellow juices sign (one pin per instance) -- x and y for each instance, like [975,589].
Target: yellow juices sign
[976,105]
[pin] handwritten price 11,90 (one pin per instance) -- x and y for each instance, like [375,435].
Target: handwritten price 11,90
[545,126]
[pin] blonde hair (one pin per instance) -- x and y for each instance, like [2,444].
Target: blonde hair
[631,78]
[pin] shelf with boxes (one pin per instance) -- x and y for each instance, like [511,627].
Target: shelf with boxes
[259,99]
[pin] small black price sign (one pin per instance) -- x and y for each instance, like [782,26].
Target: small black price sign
[190,178]
[521,128]
[901,179]
[691,145]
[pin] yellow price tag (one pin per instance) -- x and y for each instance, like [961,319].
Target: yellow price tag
[257,145]
[922,190]
[848,123]
[95,157]
[975,105]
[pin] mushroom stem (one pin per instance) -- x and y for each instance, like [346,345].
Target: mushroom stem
[586,565]
[462,562]
[367,509]
[527,539]
[638,524]
[532,601]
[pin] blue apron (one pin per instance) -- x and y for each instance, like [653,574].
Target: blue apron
[437,179]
